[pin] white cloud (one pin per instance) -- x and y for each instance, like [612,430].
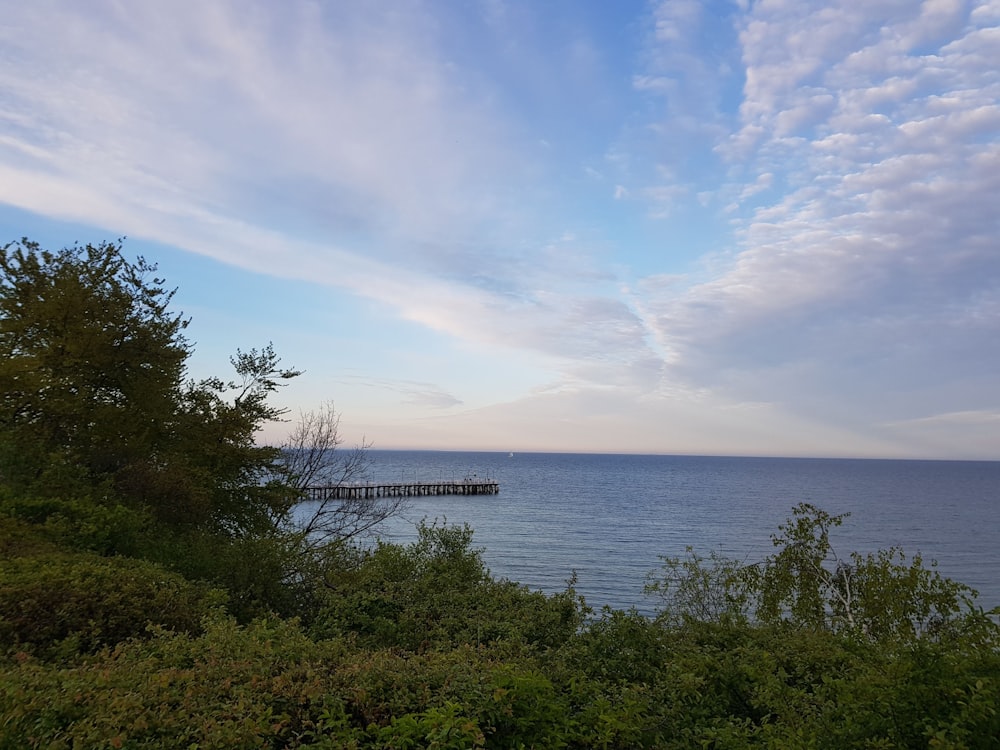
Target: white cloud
[337,144]
[364,147]
[231,109]
[877,256]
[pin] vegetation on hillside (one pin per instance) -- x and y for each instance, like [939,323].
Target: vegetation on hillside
[155,594]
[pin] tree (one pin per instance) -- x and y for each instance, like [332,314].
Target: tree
[238,487]
[694,589]
[877,597]
[312,457]
[93,397]
[91,362]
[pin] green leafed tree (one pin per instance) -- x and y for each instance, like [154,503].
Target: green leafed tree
[881,597]
[94,397]
[91,362]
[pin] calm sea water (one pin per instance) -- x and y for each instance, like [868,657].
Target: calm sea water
[610,517]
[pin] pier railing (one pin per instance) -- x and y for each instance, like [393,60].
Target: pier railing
[373,490]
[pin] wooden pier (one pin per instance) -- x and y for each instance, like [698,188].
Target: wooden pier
[373,490]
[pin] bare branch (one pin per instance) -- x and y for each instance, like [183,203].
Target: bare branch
[313,457]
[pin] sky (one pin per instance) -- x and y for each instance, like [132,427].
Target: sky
[744,227]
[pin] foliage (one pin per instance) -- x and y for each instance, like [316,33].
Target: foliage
[262,574]
[62,604]
[93,401]
[216,476]
[20,539]
[879,597]
[693,589]
[90,363]
[102,526]
[106,445]
[619,680]
[269,685]
[437,593]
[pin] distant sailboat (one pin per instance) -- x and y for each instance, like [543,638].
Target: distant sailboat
[511,455]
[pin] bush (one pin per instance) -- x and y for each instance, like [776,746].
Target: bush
[61,604]
[268,685]
[19,539]
[621,684]
[104,527]
[259,573]
[883,598]
[437,593]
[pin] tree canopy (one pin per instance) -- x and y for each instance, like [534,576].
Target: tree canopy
[94,395]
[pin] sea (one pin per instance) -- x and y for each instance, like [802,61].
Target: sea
[608,520]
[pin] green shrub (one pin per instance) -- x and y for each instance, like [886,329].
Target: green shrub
[268,685]
[83,523]
[418,646]
[228,687]
[60,604]
[438,593]
[884,597]
[259,573]
[18,538]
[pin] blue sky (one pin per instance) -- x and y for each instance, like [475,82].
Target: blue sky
[763,228]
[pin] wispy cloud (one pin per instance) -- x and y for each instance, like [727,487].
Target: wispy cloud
[315,120]
[338,136]
[412,393]
[743,218]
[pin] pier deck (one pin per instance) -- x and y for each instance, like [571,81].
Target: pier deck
[367,491]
